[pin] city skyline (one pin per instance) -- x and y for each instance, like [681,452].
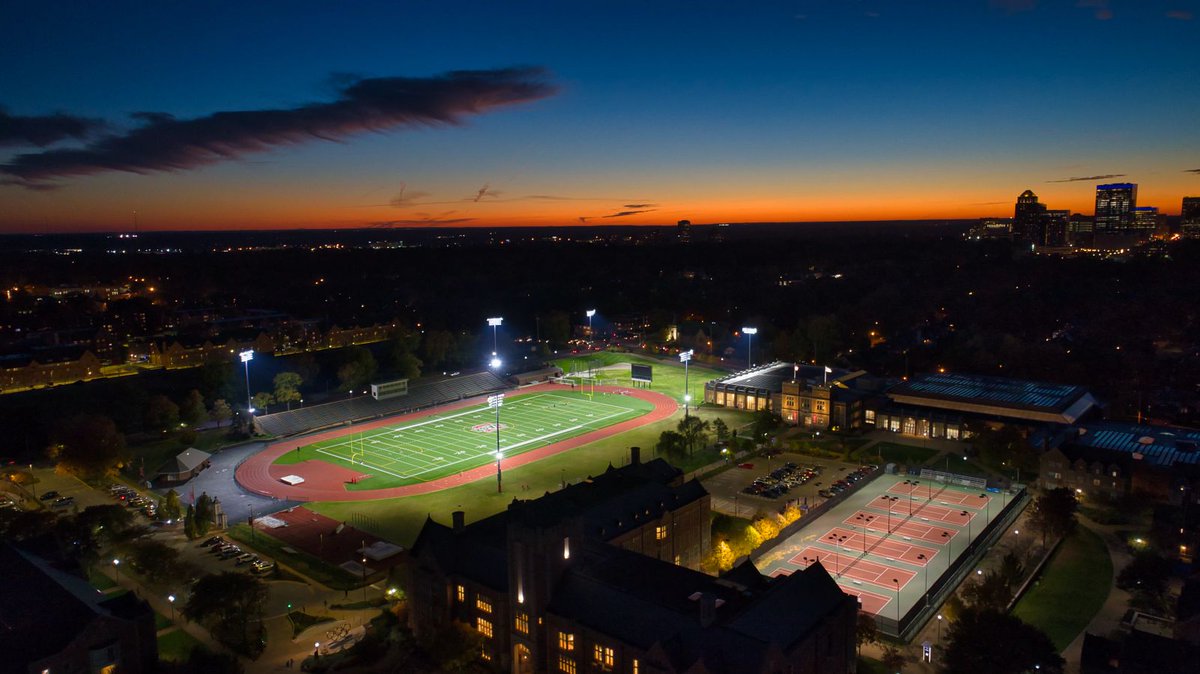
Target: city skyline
[325,116]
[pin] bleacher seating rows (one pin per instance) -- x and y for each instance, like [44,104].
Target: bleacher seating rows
[422,393]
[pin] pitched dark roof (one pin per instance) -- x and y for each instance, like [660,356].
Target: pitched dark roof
[645,602]
[478,553]
[42,609]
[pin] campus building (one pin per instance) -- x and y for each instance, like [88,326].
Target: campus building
[941,405]
[51,621]
[1110,460]
[601,577]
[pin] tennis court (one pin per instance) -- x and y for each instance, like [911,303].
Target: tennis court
[882,546]
[905,529]
[852,566]
[925,512]
[448,443]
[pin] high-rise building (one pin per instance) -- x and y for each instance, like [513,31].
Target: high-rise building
[683,231]
[1189,221]
[1080,230]
[1053,228]
[1114,208]
[1027,218]
[1145,221]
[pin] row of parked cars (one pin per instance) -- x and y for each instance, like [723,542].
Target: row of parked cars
[225,550]
[133,499]
[844,483]
[782,480]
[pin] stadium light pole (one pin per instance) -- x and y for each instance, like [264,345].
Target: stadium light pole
[686,357]
[590,313]
[247,356]
[750,333]
[495,325]
[496,402]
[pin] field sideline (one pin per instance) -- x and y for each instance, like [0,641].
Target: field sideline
[415,451]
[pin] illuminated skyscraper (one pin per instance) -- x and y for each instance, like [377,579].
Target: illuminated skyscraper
[1145,220]
[1190,220]
[1114,208]
[683,231]
[1027,225]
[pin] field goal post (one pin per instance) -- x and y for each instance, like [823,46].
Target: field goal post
[587,386]
[359,452]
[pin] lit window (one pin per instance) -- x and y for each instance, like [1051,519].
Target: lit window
[660,532]
[522,623]
[637,666]
[566,642]
[462,593]
[483,603]
[484,627]
[487,657]
[603,656]
[566,665]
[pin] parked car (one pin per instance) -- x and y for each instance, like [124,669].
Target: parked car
[50,495]
[64,501]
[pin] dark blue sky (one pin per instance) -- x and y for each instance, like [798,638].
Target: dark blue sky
[709,110]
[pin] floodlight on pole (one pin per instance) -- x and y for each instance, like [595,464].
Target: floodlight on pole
[494,323]
[590,313]
[750,333]
[247,356]
[497,401]
[685,357]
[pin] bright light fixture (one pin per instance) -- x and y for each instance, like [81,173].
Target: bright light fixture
[494,322]
[495,363]
[591,312]
[247,355]
[750,331]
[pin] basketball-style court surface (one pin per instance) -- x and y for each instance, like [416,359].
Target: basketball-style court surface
[891,540]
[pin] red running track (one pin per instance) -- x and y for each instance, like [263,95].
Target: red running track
[255,473]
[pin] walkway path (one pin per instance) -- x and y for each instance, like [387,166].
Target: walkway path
[1108,619]
[254,473]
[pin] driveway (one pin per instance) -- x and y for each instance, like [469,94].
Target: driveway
[218,481]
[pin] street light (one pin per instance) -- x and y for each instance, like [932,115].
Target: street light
[939,616]
[987,509]
[496,402]
[897,582]
[590,313]
[837,544]
[247,356]
[171,600]
[686,357]
[117,566]
[494,323]
[925,568]
[750,333]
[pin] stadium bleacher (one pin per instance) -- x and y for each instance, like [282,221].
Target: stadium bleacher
[422,393]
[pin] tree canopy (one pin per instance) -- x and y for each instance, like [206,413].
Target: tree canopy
[89,446]
[991,642]
[230,605]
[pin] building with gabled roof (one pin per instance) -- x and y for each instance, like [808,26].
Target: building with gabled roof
[603,576]
[183,467]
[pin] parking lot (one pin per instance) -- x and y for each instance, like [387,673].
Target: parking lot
[728,487]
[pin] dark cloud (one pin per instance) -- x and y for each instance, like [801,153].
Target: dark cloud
[407,197]
[44,130]
[1084,179]
[639,205]
[485,191]
[423,220]
[583,219]
[165,143]
[623,214]
[1191,170]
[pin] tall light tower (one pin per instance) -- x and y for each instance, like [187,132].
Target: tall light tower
[496,402]
[590,313]
[495,324]
[685,357]
[750,333]
[247,356]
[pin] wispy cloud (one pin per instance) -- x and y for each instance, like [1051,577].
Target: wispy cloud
[1179,15]
[422,220]
[1084,179]
[639,205]
[485,191]
[1195,170]
[165,143]
[407,197]
[624,214]
[43,130]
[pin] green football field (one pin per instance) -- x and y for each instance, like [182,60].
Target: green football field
[443,444]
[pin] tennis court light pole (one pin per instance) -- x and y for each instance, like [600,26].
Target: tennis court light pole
[495,325]
[247,356]
[750,333]
[590,313]
[685,357]
[497,401]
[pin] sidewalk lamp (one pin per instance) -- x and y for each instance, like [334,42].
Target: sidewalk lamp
[750,333]
[685,357]
[494,323]
[247,356]
[171,600]
[939,618]
[117,566]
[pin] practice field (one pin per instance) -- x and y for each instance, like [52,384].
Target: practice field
[449,443]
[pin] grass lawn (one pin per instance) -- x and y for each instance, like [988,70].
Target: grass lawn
[1073,587]
[870,666]
[302,621]
[161,621]
[326,574]
[99,580]
[176,646]
[444,444]
[892,452]
[668,375]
